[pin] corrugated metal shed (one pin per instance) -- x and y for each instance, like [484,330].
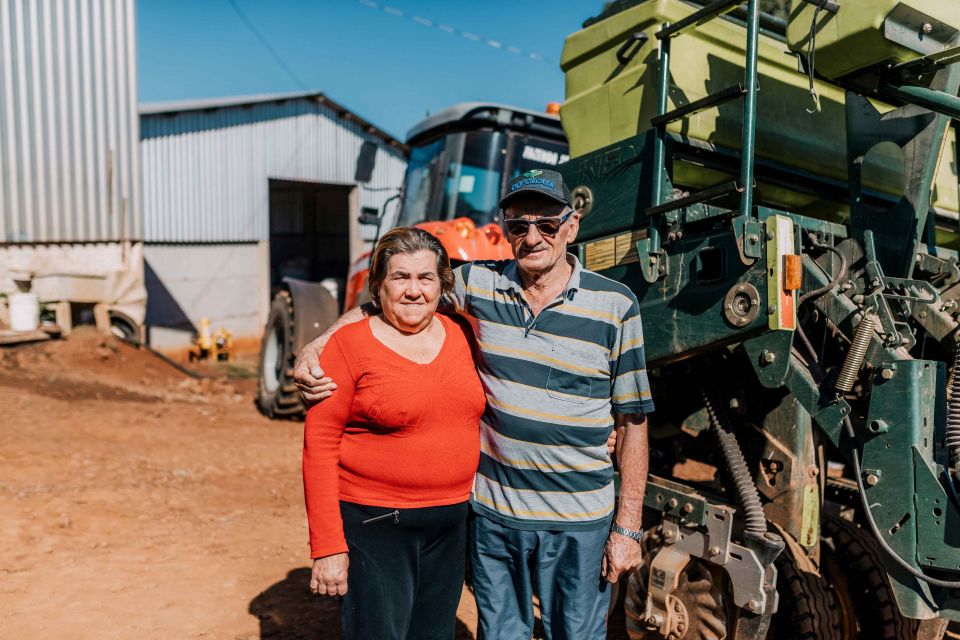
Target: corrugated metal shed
[206,163]
[68,121]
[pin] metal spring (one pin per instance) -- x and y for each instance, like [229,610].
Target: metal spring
[755,520]
[952,371]
[856,353]
[953,409]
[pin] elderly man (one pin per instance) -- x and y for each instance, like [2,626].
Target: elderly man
[561,360]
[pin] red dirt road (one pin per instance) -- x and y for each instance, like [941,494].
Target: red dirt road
[139,503]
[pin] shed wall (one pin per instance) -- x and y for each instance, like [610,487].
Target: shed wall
[206,171]
[225,283]
[69,125]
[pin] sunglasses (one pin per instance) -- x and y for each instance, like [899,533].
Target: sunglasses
[517,227]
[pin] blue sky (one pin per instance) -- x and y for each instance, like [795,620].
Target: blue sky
[391,70]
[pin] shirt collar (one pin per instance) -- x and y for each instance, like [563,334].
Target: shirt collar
[509,278]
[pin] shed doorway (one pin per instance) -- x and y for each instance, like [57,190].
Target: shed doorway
[309,232]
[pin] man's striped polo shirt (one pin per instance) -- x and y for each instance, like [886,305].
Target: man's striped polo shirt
[552,384]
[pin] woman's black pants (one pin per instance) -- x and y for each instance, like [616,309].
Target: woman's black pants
[406,571]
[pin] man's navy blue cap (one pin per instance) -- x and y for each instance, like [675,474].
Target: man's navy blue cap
[543,182]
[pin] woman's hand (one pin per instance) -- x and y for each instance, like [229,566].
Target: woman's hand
[329,575]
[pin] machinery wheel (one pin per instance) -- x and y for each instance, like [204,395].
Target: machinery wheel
[277,395]
[123,327]
[704,605]
[854,565]
[807,608]
[807,605]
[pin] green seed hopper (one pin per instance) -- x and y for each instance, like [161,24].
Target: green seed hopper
[782,199]
[609,99]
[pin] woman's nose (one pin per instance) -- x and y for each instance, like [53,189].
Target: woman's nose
[413,290]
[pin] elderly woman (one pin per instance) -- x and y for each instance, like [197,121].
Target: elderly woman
[389,459]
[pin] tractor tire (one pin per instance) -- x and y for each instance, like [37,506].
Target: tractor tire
[277,395]
[807,609]
[853,562]
[700,590]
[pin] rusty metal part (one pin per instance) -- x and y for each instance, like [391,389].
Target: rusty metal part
[698,606]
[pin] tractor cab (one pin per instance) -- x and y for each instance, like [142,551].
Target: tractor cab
[460,160]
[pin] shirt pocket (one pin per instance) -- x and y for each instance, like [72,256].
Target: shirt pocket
[568,382]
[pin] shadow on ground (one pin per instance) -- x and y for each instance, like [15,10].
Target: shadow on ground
[288,611]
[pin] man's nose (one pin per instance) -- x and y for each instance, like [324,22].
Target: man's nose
[533,236]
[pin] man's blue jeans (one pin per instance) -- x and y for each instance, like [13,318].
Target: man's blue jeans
[562,567]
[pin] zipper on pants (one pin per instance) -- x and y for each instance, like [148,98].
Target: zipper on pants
[395,514]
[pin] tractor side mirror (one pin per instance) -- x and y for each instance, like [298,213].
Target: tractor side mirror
[366,161]
[369,215]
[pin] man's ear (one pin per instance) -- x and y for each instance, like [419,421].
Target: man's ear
[573,228]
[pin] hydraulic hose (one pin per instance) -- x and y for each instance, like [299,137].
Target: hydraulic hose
[953,410]
[747,493]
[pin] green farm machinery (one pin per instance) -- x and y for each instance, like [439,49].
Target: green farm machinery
[782,196]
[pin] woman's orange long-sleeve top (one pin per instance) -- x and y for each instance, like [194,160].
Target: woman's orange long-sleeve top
[395,433]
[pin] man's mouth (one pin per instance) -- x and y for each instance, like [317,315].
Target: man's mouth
[534,250]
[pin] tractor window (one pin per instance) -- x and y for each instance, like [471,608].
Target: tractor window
[472,187]
[528,152]
[423,172]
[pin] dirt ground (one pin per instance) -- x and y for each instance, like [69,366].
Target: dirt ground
[138,502]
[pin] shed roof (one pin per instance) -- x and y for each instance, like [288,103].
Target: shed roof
[212,104]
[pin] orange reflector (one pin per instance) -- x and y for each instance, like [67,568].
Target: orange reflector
[464,227]
[553,108]
[792,272]
[493,233]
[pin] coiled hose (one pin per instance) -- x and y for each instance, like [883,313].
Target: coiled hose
[953,411]
[747,494]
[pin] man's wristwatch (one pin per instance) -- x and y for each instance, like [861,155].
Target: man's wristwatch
[633,535]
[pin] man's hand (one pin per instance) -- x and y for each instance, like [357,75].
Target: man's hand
[329,575]
[309,377]
[307,373]
[612,443]
[619,556]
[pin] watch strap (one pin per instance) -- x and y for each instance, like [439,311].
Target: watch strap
[633,535]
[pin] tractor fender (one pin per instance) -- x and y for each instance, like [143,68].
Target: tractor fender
[314,310]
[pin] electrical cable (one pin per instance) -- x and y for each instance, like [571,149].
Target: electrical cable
[466,35]
[835,280]
[811,57]
[266,45]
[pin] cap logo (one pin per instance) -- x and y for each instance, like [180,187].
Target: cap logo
[537,183]
[533,173]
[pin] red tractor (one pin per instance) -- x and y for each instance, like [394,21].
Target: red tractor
[460,159]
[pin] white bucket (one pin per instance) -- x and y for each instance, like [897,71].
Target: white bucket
[24,311]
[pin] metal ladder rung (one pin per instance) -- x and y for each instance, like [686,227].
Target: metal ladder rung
[710,193]
[714,99]
[707,13]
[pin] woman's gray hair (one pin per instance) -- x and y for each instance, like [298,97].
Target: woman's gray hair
[407,240]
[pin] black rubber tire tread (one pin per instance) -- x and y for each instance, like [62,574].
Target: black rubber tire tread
[857,554]
[285,401]
[808,608]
